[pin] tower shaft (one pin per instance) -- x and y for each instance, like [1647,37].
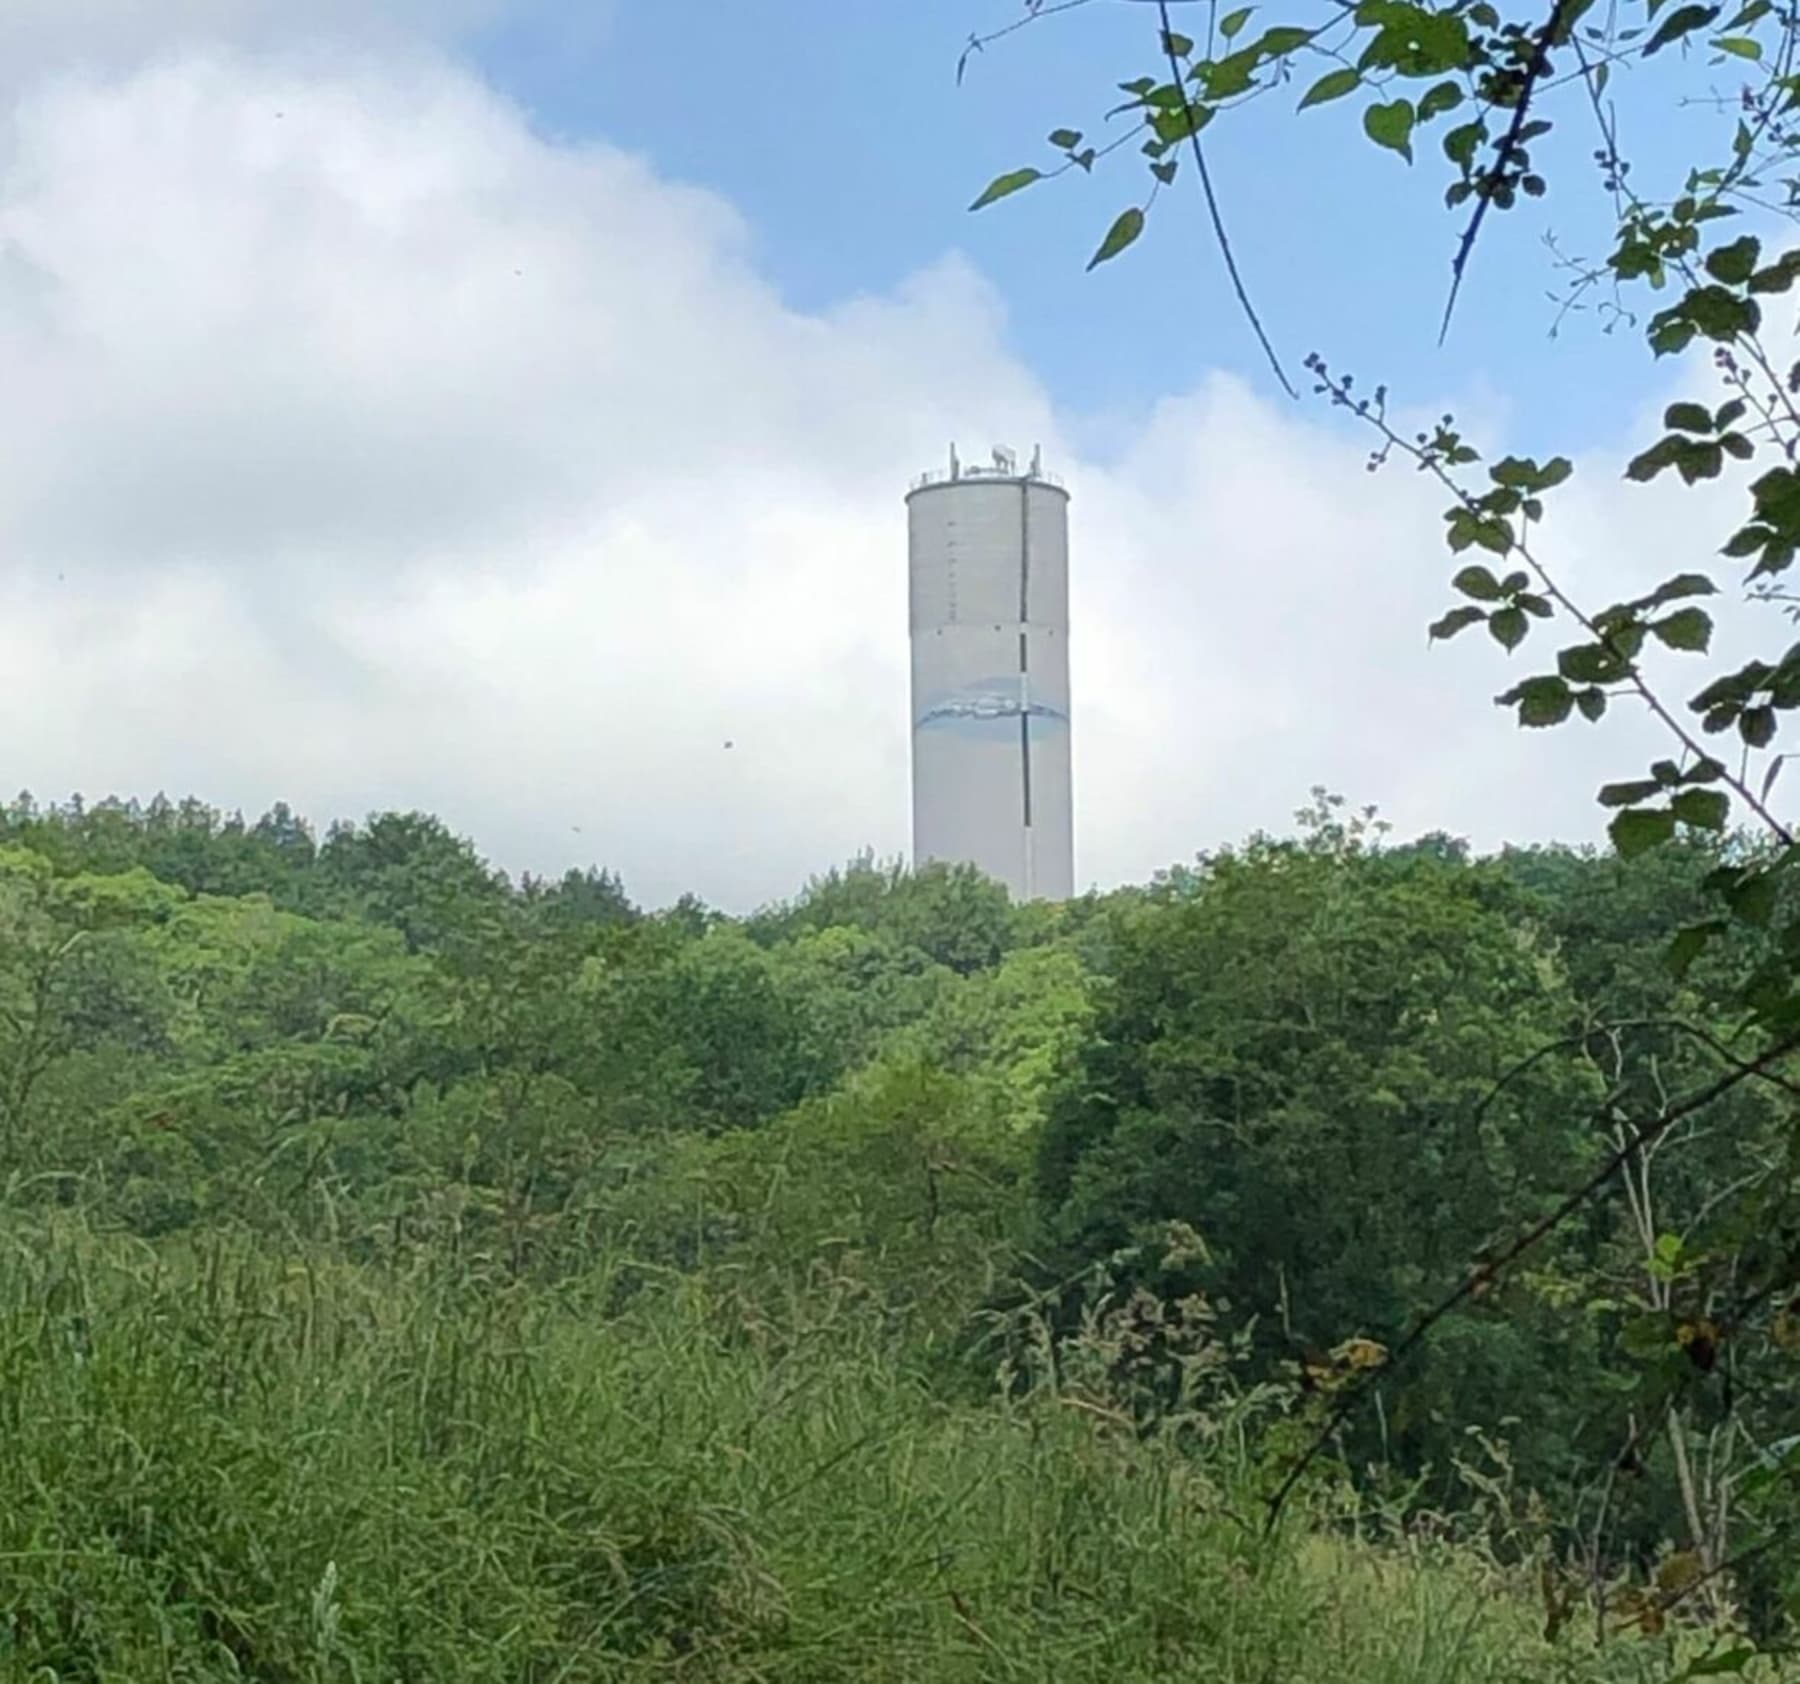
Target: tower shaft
[989,612]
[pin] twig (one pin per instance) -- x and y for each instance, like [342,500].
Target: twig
[1035,14]
[1212,207]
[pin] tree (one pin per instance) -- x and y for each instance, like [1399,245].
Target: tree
[407,870]
[1292,1063]
[952,914]
[78,997]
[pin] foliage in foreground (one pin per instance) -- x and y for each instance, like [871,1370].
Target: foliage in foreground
[407,1273]
[225,1464]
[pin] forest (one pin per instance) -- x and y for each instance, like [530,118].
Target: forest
[407,1273]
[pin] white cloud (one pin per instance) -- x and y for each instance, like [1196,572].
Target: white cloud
[361,449]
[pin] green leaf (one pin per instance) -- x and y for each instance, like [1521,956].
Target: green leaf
[1688,417]
[1414,40]
[1705,809]
[1458,619]
[1180,121]
[1182,45]
[1066,139]
[1628,794]
[1592,702]
[1647,464]
[1508,627]
[1391,126]
[1779,276]
[1287,38]
[1684,20]
[1752,899]
[1757,726]
[1699,459]
[1670,332]
[1733,264]
[1591,663]
[1690,943]
[1002,185]
[1333,85]
[1232,22]
[1126,228]
[1640,829]
[1626,636]
[1717,1665]
[1476,581]
[1714,1666]
[1735,688]
[1520,473]
[1493,535]
[1686,628]
[1165,171]
[1232,75]
[1672,590]
[1719,313]
[1542,702]
[1446,96]
[1463,142]
[1740,45]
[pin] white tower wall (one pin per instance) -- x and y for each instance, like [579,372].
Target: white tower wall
[989,589]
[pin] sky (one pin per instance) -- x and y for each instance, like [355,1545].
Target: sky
[499,408]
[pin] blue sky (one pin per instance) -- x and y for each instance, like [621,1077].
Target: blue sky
[496,408]
[841,134]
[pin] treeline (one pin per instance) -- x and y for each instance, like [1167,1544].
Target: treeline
[1211,1145]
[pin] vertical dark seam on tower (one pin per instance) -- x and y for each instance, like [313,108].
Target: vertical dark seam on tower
[1024,646]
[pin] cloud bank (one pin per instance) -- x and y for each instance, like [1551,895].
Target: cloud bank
[362,449]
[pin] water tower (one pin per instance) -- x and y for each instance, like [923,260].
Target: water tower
[989,596]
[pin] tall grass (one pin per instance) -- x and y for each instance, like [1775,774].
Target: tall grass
[219,1463]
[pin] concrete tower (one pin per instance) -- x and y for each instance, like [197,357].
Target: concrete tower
[989,590]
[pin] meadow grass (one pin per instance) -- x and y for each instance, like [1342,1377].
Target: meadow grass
[220,1461]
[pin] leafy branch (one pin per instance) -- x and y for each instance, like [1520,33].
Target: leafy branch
[1511,161]
[1618,633]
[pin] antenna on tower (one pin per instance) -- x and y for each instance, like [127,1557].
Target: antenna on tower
[1037,461]
[1004,460]
[955,466]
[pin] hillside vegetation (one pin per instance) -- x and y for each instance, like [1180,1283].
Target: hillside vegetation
[406,1274]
